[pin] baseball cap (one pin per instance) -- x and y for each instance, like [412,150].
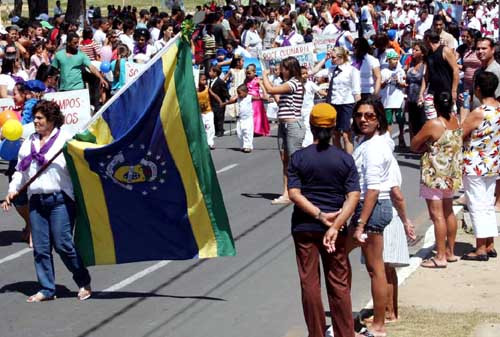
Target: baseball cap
[323,115]
[391,54]
[42,17]
[46,25]
[35,85]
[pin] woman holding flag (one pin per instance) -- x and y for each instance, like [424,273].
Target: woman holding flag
[52,209]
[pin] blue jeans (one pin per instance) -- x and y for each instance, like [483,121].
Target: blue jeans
[52,218]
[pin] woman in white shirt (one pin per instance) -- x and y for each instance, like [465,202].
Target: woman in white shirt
[373,157]
[344,90]
[52,209]
[368,66]
[250,39]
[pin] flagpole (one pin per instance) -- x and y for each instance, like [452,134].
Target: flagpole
[98,114]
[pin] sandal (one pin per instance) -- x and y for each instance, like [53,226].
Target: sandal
[281,201]
[39,297]
[84,293]
[432,264]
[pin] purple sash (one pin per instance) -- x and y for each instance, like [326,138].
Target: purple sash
[286,40]
[38,156]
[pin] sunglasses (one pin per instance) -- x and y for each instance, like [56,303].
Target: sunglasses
[369,116]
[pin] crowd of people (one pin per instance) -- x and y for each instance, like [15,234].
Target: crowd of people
[428,66]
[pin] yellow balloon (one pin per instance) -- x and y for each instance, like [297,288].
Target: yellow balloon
[12,129]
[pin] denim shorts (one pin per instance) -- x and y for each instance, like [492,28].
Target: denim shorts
[290,136]
[381,216]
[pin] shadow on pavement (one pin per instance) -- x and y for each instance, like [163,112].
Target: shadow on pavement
[268,196]
[29,288]
[9,237]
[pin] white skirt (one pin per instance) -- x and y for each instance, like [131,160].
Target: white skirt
[396,252]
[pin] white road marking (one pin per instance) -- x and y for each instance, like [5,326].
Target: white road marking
[15,255]
[227,168]
[137,276]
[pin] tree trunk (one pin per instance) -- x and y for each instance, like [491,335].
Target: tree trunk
[75,9]
[37,7]
[18,8]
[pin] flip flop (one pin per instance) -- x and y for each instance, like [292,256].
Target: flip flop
[452,260]
[281,201]
[434,264]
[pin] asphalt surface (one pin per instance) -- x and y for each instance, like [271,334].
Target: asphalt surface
[255,294]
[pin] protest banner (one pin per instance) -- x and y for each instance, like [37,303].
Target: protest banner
[6,103]
[304,53]
[325,42]
[132,70]
[75,106]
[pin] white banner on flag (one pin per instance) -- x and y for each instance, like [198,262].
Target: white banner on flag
[132,70]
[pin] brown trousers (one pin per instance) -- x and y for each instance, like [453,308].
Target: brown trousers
[308,248]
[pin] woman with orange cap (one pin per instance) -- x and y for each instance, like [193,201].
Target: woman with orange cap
[323,184]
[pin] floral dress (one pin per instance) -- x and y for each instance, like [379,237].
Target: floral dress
[481,150]
[441,165]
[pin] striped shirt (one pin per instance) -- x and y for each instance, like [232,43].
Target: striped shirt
[290,104]
[92,50]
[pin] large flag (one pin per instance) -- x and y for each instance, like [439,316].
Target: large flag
[144,181]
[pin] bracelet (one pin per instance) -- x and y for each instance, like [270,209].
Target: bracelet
[361,222]
[318,215]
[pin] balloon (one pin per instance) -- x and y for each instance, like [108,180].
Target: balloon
[6,115]
[9,149]
[105,67]
[12,129]
[106,53]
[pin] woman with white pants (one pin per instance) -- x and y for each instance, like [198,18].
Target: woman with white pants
[481,165]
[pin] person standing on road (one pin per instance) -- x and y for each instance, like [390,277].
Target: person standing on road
[440,139]
[323,184]
[481,165]
[291,128]
[373,157]
[52,208]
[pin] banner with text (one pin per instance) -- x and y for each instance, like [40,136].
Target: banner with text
[325,42]
[133,69]
[75,106]
[304,53]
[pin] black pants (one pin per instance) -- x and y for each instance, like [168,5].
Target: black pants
[219,113]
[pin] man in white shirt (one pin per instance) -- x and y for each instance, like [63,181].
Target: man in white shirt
[471,21]
[423,23]
[100,33]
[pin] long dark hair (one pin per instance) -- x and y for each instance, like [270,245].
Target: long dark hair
[323,136]
[378,108]
[361,48]
[292,65]
[444,104]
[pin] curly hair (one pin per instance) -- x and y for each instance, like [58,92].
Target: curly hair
[51,112]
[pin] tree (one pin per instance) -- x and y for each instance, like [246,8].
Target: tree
[75,9]
[18,8]
[37,7]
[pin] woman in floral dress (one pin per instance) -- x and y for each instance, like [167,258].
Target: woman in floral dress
[440,140]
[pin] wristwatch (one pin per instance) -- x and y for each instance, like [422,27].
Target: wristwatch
[361,222]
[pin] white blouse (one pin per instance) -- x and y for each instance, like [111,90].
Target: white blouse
[54,179]
[346,84]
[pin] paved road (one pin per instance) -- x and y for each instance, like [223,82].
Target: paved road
[255,293]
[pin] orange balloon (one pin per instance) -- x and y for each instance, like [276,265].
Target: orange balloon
[6,115]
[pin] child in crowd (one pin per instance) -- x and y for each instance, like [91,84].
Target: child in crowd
[218,95]
[393,84]
[235,77]
[118,68]
[311,89]
[244,126]
[261,124]
[207,114]
[40,56]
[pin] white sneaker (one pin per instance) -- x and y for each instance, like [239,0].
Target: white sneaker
[84,293]
[329,332]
